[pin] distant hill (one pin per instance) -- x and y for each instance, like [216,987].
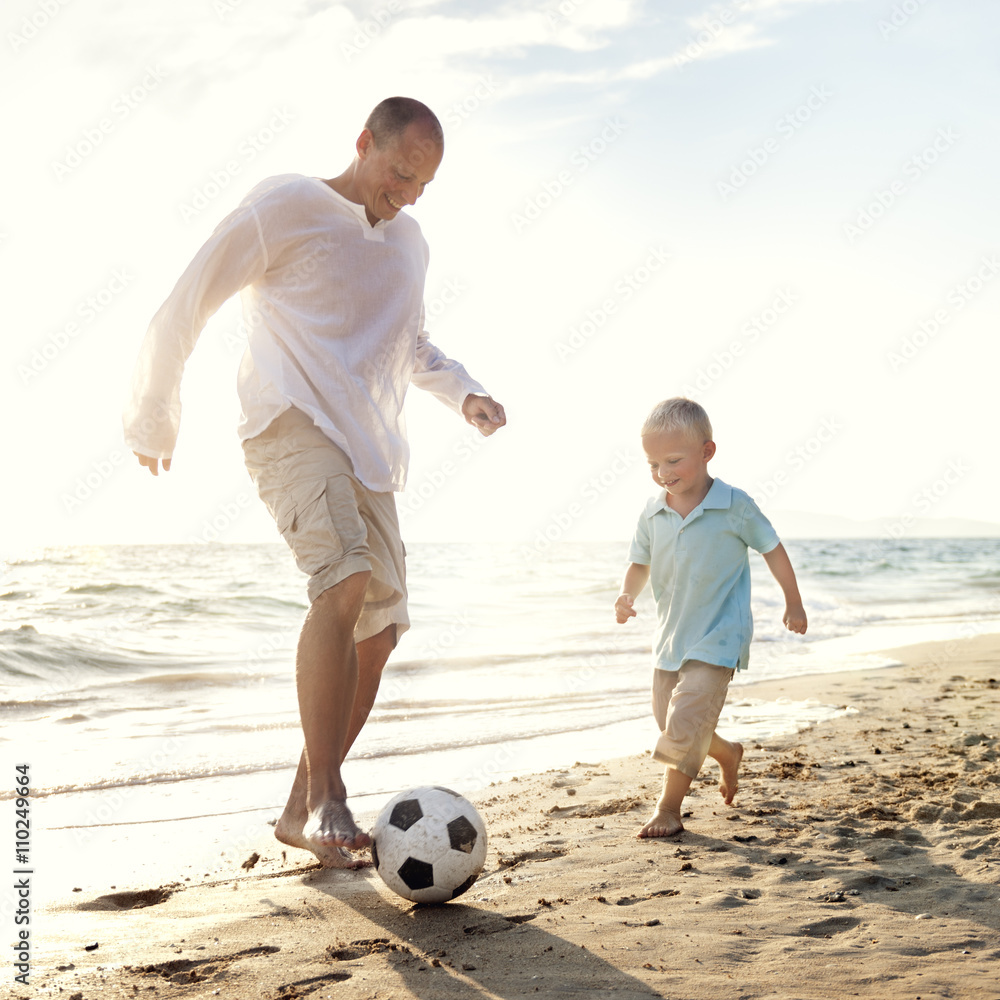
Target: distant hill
[801,524]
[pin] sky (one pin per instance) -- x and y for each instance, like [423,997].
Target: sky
[785,209]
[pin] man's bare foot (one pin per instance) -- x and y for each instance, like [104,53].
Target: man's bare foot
[663,823]
[730,766]
[332,825]
[290,833]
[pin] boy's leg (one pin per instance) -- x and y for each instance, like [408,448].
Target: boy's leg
[666,820]
[687,704]
[728,755]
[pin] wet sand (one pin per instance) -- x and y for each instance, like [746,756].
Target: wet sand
[860,858]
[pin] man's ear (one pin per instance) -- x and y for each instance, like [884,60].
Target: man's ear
[365,143]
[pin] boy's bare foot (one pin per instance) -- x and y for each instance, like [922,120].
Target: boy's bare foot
[730,766]
[663,823]
[290,832]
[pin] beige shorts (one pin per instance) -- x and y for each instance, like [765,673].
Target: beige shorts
[687,704]
[333,524]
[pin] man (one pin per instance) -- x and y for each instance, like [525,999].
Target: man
[332,276]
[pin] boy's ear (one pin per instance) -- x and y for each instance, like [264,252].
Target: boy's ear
[709,451]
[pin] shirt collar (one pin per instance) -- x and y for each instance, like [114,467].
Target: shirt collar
[718,497]
[358,210]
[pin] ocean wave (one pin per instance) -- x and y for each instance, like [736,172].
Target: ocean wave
[154,778]
[29,655]
[265,601]
[113,588]
[200,772]
[202,678]
[46,703]
[553,699]
[581,655]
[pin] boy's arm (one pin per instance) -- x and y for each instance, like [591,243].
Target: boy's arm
[636,577]
[781,569]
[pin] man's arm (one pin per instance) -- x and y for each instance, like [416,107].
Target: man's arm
[780,566]
[232,258]
[447,379]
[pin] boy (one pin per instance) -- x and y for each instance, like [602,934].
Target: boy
[692,540]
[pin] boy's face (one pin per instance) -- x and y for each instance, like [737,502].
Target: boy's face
[679,462]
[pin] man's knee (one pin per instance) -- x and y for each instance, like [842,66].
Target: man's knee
[375,649]
[388,637]
[344,600]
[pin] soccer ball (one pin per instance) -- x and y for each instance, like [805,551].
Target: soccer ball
[429,844]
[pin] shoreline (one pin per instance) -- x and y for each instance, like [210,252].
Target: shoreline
[869,843]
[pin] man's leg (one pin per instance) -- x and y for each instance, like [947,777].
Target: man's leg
[372,655]
[326,674]
[338,532]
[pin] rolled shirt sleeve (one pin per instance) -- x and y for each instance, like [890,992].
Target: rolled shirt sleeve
[234,256]
[439,375]
[639,550]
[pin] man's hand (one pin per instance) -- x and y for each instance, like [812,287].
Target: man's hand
[152,463]
[483,412]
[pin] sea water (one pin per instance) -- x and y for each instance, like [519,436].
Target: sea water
[154,683]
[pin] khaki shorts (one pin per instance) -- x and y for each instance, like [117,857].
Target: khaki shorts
[687,704]
[333,524]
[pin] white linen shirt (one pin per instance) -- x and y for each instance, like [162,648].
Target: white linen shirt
[334,317]
[700,575]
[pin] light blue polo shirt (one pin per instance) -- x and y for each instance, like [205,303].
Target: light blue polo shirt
[700,575]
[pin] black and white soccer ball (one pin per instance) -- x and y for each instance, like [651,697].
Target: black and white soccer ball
[429,844]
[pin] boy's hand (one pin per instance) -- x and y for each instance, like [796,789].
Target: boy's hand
[795,619]
[623,608]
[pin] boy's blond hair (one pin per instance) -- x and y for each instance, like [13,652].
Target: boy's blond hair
[679,414]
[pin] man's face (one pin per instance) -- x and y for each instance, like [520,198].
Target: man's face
[394,175]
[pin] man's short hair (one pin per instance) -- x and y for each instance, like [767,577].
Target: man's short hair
[679,414]
[390,118]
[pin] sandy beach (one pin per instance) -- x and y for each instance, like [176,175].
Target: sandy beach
[861,858]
